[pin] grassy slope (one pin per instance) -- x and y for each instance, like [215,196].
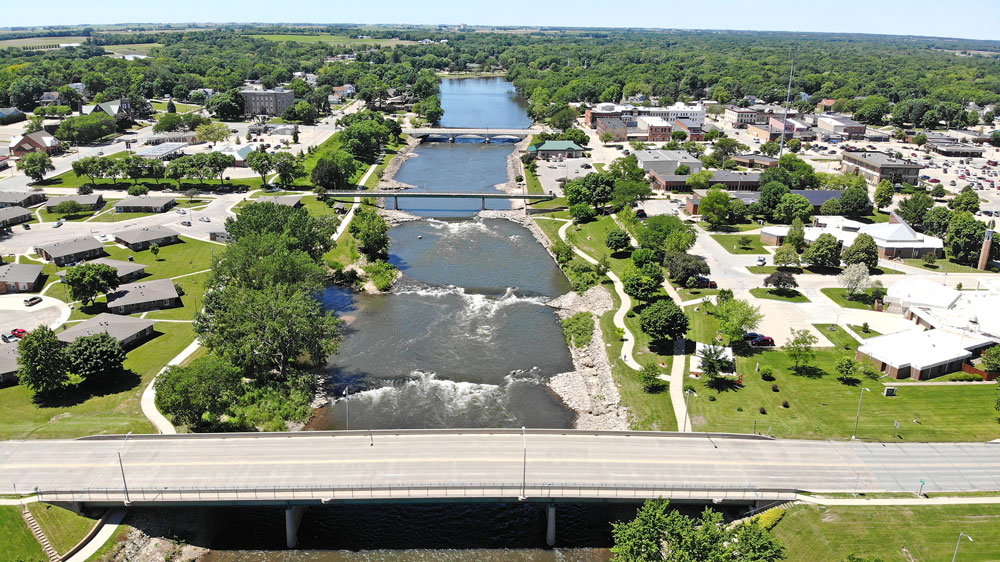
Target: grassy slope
[64,528]
[16,541]
[927,532]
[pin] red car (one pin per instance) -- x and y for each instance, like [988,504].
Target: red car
[934,180]
[706,283]
[19,332]
[763,342]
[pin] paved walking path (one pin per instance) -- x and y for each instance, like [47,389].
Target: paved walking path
[357,201]
[148,400]
[109,527]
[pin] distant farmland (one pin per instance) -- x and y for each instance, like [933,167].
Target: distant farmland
[333,39]
[41,41]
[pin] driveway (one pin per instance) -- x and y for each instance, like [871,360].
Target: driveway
[13,314]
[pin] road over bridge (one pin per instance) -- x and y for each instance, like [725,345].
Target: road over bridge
[396,194]
[452,133]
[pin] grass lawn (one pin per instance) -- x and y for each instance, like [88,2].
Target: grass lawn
[859,330]
[691,294]
[555,203]
[181,107]
[70,179]
[71,217]
[810,532]
[390,153]
[730,243]
[790,295]
[862,300]
[702,326]
[821,407]
[108,408]
[877,216]
[599,166]
[531,178]
[170,261]
[112,216]
[18,541]
[135,49]
[815,270]
[346,250]
[63,528]
[41,41]
[941,266]
[741,227]
[328,146]
[194,297]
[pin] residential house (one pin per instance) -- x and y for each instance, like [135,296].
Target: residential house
[825,105]
[10,113]
[128,330]
[555,149]
[20,198]
[94,201]
[665,162]
[128,271]
[78,87]
[894,239]
[142,296]
[294,201]
[345,91]
[113,108]
[39,141]
[878,166]
[138,239]
[20,277]
[145,204]
[209,92]
[10,216]
[50,98]
[8,363]
[72,250]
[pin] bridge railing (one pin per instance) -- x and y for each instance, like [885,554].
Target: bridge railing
[416,491]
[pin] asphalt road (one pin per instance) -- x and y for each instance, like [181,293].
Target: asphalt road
[453,458]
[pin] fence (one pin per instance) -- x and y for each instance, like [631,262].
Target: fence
[966,368]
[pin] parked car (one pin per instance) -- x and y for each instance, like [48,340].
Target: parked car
[7,338]
[57,224]
[205,219]
[763,342]
[19,332]
[751,336]
[640,213]
[934,180]
[586,166]
[32,301]
[761,260]
[27,227]
[185,223]
[706,283]
[181,212]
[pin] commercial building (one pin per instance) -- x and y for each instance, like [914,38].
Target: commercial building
[10,216]
[765,111]
[613,126]
[841,125]
[163,151]
[128,330]
[756,160]
[793,128]
[239,152]
[555,149]
[267,102]
[145,295]
[630,113]
[657,129]
[665,162]
[739,117]
[735,181]
[825,105]
[20,277]
[763,133]
[920,354]
[692,129]
[145,204]
[184,137]
[138,239]
[20,198]
[39,141]
[72,250]
[958,150]
[878,166]
[894,239]
[93,201]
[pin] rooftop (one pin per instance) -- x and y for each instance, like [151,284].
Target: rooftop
[119,327]
[10,197]
[124,268]
[288,200]
[922,349]
[679,156]
[143,292]
[880,159]
[918,291]
[144,234]
[72,246]
[7,213]
[161,150]
[556,145]
[91,199]
[8,359]
[20,272]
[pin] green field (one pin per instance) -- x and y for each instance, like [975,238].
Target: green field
[63,528]
[926,532]
[194,297]
[860,331]
[821,407]
[18,542]
[180,107]
[38,41]
[941,266]
[691,294]
[188,256]
[861,301]
[730,243]
[334,39]
[70,179]
[776,295]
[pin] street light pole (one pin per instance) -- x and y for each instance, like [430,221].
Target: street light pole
[861,394]
[347,401]
[524,461]
[687,411]
[959,543]
[121,467]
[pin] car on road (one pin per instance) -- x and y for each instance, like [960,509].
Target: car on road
[185,223]
[19,332]
[640,213]
[32,301]
[57,224]
[934,180]
[761,260]
[27,227]
[181,212]
[763,341]
[205,219]
[586,166]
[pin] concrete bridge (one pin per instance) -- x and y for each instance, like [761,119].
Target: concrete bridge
[296,470]
[485,134]
[349,196]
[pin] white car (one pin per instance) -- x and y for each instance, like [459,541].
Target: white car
[205,219]
[181,212]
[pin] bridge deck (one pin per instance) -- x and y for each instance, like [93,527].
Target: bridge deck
[421,131]
[437,194]
[480,465]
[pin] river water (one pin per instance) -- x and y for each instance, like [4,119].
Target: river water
[464,339]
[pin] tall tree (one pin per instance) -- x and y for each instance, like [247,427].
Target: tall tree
[737,317]
[35,165]
[862,251]
[198,394]
[95,356]
[334,172]
[41,360]
[663,320]
[88,281]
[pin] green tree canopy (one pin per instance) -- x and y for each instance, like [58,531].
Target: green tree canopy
[42,363]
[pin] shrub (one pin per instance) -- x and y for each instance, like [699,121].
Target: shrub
[711,398]
[865,328]
[382,274]
[784,404]
[770,518]
[739,408]
[965,377]
[774,387]
[767,374]
[579,329]
[763,411]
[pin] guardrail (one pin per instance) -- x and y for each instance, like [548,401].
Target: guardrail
[400,432]
[503,491]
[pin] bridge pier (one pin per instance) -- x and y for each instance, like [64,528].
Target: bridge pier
[293,516]
[550,525]
[396,200]
[484,203]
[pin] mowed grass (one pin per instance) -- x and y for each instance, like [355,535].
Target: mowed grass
[108,408]
[859,330]
[821,407]
[731,243]
[48,216]
[926,533]
[16,539]
[180,107]
[790,295]
[187,256]
[692,294]
[192,300]
[133,49]
[861,301]
[941,266]
[70,179]
[63,528]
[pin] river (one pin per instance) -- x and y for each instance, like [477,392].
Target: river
[464,339]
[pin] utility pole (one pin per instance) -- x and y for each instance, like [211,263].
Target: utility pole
[788,101]
[861,394]
[121,467]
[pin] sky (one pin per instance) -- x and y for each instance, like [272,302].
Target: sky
[971,19]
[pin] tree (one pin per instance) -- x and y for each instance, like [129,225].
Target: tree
[372,234]
[883,194]
[228,106]
[607,137]
[920,139]
[137,190]
[217,163]
[682,170]
[824,252]
[855,278]
[965,237]
[171,108]
[714,361]
[41,360]
[862,251]
[796,237]
[855,201]
[288,168]
[913,208]
[617,240]
[714,207]
[261,163]
[639,286]
[154,249]
[737,317]
[794,145]
[663,320]
[69,207]
[95,355]
[786,256]
[178,169]
[35,165]
[800,348]
[262,260]
[771,194]
[936,221]
[966,200]
[770,148]
[793,206]
[196,395]
[304,231]
[679,135]
[88,281]
[847,368]
[334,171]
[563,119]
[582,212]
[86,128]
[831,207]
[781,280]
[643,256]
[990,361]
[649,377]
[699,180]
[683,267]
[212,132]
[640,540]
[93,167]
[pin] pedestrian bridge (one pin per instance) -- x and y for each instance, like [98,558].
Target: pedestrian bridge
[396,194]
[455,134]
